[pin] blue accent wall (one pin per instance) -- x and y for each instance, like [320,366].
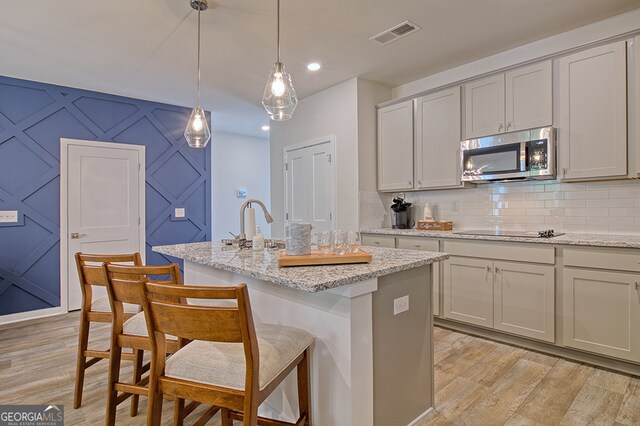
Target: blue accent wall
[33,118]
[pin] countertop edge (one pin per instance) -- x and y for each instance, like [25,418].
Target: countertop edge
[436,257]
[562,240]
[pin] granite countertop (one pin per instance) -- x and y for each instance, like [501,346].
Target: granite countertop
[264,264]
[591,240]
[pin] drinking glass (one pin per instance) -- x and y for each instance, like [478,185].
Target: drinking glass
[325,244]
[353,241]
[340,243]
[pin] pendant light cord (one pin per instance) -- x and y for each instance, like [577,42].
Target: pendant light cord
[278,26]
[198,87]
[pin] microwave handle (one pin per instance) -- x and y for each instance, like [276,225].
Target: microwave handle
[523,156]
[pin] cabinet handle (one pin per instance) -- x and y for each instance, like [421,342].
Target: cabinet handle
[508,125]
[488,268]
[497,270]
[418,245]
[420,182]
[376,242]
[564,172]
[500,127]
[637,285]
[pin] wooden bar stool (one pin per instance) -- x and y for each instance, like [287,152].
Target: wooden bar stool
[229,363]
[90,274]
[132,333]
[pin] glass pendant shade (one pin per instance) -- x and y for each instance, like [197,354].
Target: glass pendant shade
[279,98]
[197,132]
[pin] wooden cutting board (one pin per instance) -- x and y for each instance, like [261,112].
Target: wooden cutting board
[317,258]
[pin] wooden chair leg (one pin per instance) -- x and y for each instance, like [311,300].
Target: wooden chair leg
[154,407]
[81,362]
[226,417]
[178,412]
[137,376]
[114,377]
[303,374]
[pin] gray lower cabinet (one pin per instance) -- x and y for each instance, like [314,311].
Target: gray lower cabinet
[514,297]
[523,299]
[417,243]
[602,312]
[412,243]
[379,241]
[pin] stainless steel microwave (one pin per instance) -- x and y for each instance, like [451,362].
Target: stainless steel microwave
[523,155]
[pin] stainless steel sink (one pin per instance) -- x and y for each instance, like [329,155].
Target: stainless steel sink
[246,244]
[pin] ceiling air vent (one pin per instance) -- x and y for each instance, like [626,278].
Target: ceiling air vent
[394,33]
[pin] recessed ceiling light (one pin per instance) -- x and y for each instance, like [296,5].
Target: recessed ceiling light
[265,128]
[313,66]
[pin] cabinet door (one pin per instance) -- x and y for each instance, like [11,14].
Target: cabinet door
[592,133]
[426,244]
[484,107]
[388,241]
[438,140]
[524,297]
[528,94]
[395,146]
[602,312]
[468,290]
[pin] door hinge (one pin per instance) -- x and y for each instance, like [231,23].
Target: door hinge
[139,221]
[286,216]
[329,158]
[330,216]
[139,167]
[286,166]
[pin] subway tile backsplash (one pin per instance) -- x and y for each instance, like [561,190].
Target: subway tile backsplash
[592,207]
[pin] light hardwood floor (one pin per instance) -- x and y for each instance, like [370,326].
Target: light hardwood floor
[478,382]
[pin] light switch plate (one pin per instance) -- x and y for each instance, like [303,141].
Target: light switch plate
[241,192]
[400,305]
[179,213]
[8,216]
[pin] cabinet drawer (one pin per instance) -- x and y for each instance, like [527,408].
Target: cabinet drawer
[379,241]
[615,259]
[501,251]
[418,243]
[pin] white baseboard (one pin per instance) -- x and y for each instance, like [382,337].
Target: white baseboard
[24,316]
[420,417]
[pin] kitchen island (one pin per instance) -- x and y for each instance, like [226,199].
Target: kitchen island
[368,366]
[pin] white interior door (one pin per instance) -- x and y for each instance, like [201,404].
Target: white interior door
[104,204]
[310,185]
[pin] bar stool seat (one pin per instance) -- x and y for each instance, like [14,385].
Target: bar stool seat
[223,364]
[137,326]
[102,305]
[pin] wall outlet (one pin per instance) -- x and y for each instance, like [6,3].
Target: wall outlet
[8,216]
[400,305]
[455,206]
[180,212]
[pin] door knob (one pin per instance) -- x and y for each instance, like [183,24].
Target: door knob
[76,235]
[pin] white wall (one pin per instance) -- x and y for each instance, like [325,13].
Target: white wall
[238,161]
[333,111]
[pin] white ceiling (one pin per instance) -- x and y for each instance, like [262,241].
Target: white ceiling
[146,48]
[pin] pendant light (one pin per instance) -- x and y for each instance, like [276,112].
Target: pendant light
[279,98]
[197,132]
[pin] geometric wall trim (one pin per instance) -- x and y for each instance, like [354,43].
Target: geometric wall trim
[33,118]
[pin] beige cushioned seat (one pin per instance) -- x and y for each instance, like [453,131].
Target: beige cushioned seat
[102,305]
[223,364]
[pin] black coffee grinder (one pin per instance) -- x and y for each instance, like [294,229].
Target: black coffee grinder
[401,213]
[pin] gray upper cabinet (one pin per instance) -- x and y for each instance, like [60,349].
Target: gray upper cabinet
[484,107]
[517,100]
[592,131]
[395,147]
[437,141]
